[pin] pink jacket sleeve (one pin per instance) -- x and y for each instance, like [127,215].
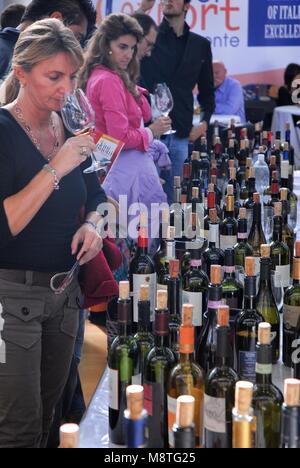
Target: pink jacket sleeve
[111,98]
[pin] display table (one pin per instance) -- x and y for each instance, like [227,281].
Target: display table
[222,119]
[288,114]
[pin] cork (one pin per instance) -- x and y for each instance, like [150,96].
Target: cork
[174,266]
[251,172]
[243,213]
[162,299]
[230,189]
[243,145]
[278,209]
[284,194]
[261,149]
[297,248]
[231,164]
[232,171]
[69,436]
[171,233]
[135,401]
[256,198]
[213,215]
[223,316]
[144,292]
[211,188]
[195,192]
[292,392]
[195,156]
[187,315]
[243,397]
[124,290]
[265,251]
[216,274]
[231,143]
[143,219]
[250,266]
[185,411]
[177,182]
[296,269]
[264,333]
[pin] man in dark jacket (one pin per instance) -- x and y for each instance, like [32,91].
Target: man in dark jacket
[182,60]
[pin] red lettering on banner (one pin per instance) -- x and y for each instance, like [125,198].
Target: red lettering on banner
[228,9]
[205,10]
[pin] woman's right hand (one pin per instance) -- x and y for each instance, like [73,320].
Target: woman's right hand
[73,153]
[161,126]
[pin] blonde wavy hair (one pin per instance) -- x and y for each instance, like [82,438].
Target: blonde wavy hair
[97,53]
[40,41]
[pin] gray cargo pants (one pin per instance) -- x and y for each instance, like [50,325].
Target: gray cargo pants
[39,333]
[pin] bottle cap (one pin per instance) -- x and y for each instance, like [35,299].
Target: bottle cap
[171,233]
[124,290]
[144,292]
[264,333]
[174,267]
[250,266]
[223,316]
[195,192]
[243,397]
[216,274]
[278,209]
[135,401]
[230,189]
[177,182]
[187,315]
[69,436]
[284,194]
[162,299]
[213,216]
[265,251]
[243,213]
[292,392]
[185,411]
[297,248]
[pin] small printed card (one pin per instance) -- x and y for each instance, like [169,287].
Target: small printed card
[107,148]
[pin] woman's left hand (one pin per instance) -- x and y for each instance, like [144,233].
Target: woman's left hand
[90,241]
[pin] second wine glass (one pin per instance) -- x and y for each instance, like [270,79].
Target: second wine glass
[164,102]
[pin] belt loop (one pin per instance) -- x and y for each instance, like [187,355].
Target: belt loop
[29,278]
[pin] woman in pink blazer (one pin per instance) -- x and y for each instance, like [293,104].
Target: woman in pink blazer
[109,77]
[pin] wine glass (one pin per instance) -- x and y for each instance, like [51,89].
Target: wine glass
[164,102]
[79,118]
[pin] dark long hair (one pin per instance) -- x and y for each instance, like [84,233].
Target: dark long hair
[97,53]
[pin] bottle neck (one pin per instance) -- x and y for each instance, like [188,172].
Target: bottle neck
[264,365]
[229,272]
[257,216]
[250,293]
[242,230]
[265,272]
[124,329]
[144,324]
[277,231]
[161,341]
[223,353]
[174,296]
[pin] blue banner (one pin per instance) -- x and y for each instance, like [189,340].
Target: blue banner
[274,23]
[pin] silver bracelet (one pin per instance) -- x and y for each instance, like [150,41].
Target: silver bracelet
[53,172]
[91,223]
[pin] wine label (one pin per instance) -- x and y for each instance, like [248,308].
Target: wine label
[138,280]
[113,385]
[264,369]
[215,414]
[247,365]
[291,316]
[282,276]
[227,242]
[196,299]
[136,379]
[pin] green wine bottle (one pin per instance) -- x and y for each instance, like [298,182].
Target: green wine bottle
[229,227]
[266,304]
[242,249]
[256,236]
[122,365]
[280,253]
[267,399]
[233,290]
[288,235]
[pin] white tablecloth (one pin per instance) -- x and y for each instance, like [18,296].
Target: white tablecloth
[281,116]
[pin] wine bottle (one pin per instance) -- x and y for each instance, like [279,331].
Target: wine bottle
[267,398]
[220,389]
[213,255]
[246,327]
[280,253]
[242,249]
[185,182]
[159,362]
[187,377]
[229,226]
[266,304]
[291,312]
[143,338]
[184,428]
[242,156]
[135,418]
[233,290]
[211,204]
[242,415]
[249,203]
[142,269]
[122,366]
[288,235]
[69,436]
[236,190]
[217,190]
[174,305]
[206,352]
[162,258]
[256,236]
[290,413]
